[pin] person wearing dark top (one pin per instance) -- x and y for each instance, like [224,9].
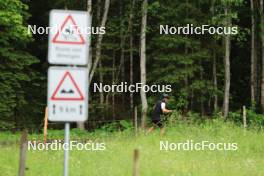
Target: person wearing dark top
[159,109]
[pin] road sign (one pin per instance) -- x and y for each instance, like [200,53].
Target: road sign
[69,37]
[67,94]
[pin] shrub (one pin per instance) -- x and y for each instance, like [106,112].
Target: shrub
[253,118]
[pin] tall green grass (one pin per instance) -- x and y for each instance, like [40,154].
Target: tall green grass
[116,160]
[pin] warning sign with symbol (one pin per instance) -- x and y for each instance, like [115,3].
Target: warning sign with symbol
[69,37]
[67,94]
[67,89]
[69,33]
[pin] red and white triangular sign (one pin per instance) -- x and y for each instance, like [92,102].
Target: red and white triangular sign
[67,89]
[69,33]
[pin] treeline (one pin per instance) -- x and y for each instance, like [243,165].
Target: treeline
[208,73]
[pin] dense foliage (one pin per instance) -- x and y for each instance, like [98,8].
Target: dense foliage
[16,76]
[190,63]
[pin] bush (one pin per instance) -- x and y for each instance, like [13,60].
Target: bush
[236,117]
[6,125]
[173,118]
[191,118]
[253,118]
[118,125]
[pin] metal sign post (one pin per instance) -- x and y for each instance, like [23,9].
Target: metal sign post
[68,86]
[66,150]
[67,100]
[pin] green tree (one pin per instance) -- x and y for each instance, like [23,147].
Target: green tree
[15,61]
[180,60]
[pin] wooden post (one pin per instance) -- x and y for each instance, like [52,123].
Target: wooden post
[245,117]
[136,163]
[45,125]
[23,150]
[135,119]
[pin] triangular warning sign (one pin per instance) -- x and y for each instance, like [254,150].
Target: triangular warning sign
[68,33]
[67,89]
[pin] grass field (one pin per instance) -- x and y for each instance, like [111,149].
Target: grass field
[116,160]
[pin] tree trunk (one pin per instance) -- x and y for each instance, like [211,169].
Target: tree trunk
[89,6]
[90,61]
[81,125]
[113,82]
[214,65]
[262,58]
[201,95]
[253,58]
[186,53]
[215,80]
[227,67]
[101,78]
[122,48]
[131,59]
[186,84]
[99,41]
[143,63]
[192,97]
[106,113]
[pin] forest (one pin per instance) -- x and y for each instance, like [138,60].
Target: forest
[174,87]
[208,74]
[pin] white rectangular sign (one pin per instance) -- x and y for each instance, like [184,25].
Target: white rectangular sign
[69,37]
[67,94]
